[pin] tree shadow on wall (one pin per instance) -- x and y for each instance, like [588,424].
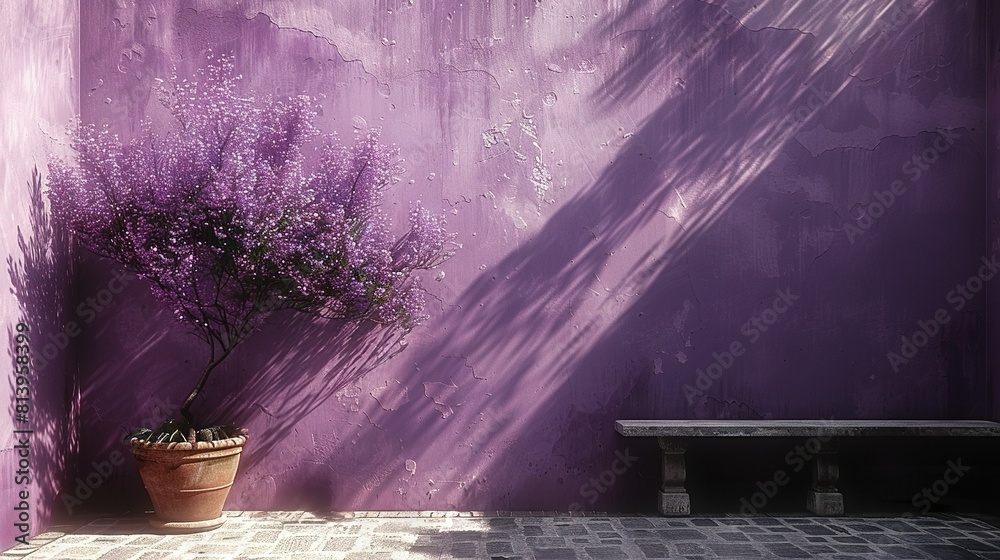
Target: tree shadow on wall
[866,46]
[275,378]
[41,279]
[299,370]
[545,305]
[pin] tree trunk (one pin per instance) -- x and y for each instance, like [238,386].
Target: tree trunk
[186,407]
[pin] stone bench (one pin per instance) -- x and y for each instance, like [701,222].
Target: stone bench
[823,497]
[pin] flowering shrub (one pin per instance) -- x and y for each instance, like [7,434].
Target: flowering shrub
[243,207]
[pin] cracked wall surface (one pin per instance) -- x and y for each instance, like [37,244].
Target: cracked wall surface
[637,187]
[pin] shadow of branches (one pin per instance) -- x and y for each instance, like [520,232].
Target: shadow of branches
[332,354]
[276,378]
[557,317]
[42,279]
[538,353]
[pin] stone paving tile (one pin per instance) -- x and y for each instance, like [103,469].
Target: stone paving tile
[786,550]
[653,550]
[766,537]
[877,538]
[902,552]
[453,535]
[946,552]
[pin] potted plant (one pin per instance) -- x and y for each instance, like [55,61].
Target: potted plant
[241,208]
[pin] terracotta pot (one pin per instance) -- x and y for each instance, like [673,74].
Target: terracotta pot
[187,483]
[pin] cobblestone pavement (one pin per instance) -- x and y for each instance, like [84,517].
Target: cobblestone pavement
[298,535]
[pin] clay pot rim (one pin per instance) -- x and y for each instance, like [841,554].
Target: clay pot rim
[227,443]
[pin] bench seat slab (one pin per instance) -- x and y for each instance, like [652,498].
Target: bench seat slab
[808,428]
[823,497]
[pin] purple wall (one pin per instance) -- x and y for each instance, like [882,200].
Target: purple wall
[38,96]
[993,180]
[632,188]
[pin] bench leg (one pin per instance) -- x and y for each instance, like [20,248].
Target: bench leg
[824,498]
[674,499]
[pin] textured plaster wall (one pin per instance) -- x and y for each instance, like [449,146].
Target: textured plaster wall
[39,94]
[633,183]
[993,180]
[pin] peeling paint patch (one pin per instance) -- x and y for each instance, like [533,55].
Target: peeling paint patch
[680,319]
[467,365]
[391,396]
[541,179]
[495,135]
[677,208]
[443,396]
[586,66]
[350,398]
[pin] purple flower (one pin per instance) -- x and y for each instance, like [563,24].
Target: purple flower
[243,207]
